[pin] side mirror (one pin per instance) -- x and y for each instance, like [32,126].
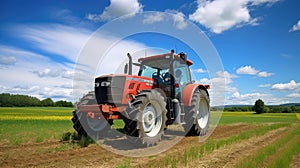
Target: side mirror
[126,69]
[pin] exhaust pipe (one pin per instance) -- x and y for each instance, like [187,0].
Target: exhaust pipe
[130,64]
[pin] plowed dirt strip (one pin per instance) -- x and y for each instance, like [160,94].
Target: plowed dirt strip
[296,161]
[44,155]
[229,156]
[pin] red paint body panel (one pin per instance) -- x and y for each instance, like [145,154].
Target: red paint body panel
[103,111]
[188,91]
[133,84]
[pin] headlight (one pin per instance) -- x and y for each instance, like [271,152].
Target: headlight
[97,84]
[105,83]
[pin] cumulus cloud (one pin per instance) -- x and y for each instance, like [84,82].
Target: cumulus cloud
[153,18]
[220,87]
[249,70]
[250,98]
[30,80]
[116,9]
[225,74]
[294,95]
[265,74]
[296,27]
[292,85]
[53,73]
[48,73]
[57,92]
[221,15]
[177,18]
[8,60]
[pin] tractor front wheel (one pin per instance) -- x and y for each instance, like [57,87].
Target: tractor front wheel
[85,125]
[146,118]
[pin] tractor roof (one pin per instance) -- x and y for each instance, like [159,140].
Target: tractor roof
[161,60]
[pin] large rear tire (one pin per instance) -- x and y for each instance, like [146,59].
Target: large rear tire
[85,125]
[146,119]
[197,116]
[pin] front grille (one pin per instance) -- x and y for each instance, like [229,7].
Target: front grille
[109,90]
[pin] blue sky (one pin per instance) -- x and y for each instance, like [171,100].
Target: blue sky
[257,41]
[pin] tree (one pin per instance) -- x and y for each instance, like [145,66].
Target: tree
[62,103]
[47,102]
[259,107]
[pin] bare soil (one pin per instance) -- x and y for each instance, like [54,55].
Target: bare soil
[296,161]
[57,154]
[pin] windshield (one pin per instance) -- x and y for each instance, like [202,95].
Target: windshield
[148,71]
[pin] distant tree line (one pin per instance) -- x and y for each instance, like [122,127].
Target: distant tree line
[259,107]
[10,100]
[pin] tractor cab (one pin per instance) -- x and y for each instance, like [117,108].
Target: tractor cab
[170,72]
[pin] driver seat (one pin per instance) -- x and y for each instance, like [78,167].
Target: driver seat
[157,78]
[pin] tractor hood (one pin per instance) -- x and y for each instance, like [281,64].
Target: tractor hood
[119,88]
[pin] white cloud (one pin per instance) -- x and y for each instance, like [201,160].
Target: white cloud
[116,9]
[296,27]
[220,87]
[225,75]
[247,70]
[8,60]
[68,74]
[48,73]
[153,18]
[57,93]
[292,85]
[264,85]
[200,70]
[177,18]
[221,15]
[265,74]
[250,98]
[259,2]
[22,58]
[294,95]
[56,39]
[30,68]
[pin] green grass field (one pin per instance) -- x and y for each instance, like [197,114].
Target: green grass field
[251,117]
[21,125]
[39,124]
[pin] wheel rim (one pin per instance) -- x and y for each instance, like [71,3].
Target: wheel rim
[203,113]
[152,122]
[96,124]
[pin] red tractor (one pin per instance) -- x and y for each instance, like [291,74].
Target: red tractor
[162,94]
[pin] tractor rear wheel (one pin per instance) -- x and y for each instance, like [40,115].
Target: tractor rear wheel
[85,125]
[146,118]
[197,116]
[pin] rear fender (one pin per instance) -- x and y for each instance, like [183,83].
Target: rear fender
[188,91]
